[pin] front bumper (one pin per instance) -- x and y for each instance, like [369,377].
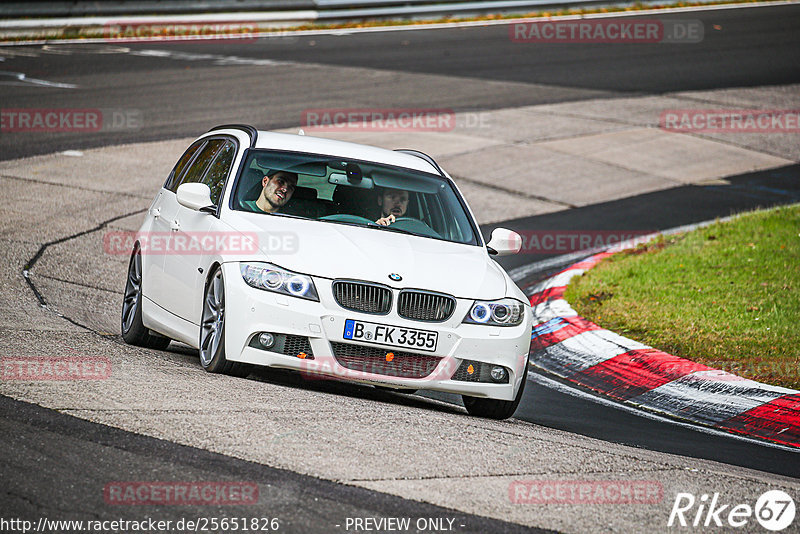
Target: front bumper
[250,311]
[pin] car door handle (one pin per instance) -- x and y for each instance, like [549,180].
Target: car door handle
[155,212]
[175,225]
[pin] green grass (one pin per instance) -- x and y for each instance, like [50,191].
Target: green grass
[727,295]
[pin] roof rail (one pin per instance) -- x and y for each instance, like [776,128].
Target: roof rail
[422,155]
[250,130]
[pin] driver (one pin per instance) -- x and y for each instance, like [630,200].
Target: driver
[393,204]
[277,189]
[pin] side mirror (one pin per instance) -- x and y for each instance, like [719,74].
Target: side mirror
[196,197]
[504,242]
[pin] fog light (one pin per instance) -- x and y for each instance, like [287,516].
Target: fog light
[499,374]
[266,339]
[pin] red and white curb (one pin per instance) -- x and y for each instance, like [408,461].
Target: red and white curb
[573,348]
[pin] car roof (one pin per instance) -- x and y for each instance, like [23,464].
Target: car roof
[342,149]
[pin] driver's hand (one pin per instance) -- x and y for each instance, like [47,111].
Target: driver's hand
[386,221]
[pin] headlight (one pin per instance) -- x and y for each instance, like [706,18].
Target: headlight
[505,312]
[273,278]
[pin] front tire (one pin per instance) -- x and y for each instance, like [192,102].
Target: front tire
[133,330]
[493,408]
[212,331]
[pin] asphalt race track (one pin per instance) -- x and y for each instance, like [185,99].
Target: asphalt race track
[462,69]
[398,455]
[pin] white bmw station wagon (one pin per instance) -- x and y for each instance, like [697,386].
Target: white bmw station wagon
[333,259]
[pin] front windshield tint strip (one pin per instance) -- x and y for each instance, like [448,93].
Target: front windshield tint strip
[357,192]
[422,156]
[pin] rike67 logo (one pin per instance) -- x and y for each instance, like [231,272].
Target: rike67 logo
[774,510]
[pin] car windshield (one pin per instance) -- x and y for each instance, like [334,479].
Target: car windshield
[359,193]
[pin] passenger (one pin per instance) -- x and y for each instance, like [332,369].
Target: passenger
[277,189]
[393,204]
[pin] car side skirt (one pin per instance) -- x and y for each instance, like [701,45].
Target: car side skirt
[168,324]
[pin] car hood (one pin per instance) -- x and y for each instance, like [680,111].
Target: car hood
[332,250]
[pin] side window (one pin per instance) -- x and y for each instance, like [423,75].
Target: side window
[175,175]
[218,171]
[195,172]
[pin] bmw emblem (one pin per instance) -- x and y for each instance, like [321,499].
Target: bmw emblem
[396,277]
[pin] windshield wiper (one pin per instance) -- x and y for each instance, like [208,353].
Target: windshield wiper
[398,230]
[373,226]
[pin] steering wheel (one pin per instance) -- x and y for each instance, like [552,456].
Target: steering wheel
[346,217]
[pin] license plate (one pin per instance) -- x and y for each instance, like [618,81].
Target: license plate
[396,336]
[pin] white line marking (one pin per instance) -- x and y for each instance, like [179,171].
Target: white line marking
[23,52]
[558,386]
[216,59]
[66,50]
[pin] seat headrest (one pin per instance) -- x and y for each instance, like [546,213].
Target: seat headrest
[356,201]
[353,195]
[250,188]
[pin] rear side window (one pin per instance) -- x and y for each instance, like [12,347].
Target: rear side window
[195,172]
[175,175]
[218,171]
